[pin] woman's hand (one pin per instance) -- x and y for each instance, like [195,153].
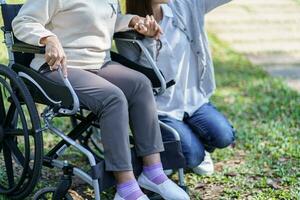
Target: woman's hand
[147,26]
[55,55]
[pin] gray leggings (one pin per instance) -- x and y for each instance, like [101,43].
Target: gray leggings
[119,96]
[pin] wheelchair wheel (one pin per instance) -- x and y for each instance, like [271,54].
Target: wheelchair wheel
[47,193]
[21,149]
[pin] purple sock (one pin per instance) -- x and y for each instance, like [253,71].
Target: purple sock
[129,190]
[155,173]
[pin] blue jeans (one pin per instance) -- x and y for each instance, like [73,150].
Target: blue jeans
[207,129]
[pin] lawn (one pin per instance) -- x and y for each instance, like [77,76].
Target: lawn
[265,162]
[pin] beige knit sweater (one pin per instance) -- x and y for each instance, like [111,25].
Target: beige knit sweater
[84,27]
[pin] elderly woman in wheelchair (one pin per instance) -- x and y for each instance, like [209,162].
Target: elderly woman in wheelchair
[77,36]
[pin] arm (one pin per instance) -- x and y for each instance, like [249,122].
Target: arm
[29,25]
[209,5]
[123,22]
[146,26]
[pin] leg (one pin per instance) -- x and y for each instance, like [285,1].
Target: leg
[192,147]
[109,103]
[145,127]
[212,127]
[142,109]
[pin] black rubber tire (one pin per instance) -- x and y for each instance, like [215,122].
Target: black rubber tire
[20,102]
[49,190]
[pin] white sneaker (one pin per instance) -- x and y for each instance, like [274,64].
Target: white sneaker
[206,167]
[167,190]
[118,197]
[168,172]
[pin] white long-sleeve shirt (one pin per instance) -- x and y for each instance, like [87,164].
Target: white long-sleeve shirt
[176,57]
[180,57]
[84,28]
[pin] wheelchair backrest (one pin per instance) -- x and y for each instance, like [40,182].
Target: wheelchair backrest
[9,12]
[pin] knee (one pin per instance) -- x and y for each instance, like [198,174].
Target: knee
[115,98]
[143,82]
[195,157]
[224,136]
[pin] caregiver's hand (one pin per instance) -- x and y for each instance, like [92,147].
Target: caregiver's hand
[147,26]
[55,55]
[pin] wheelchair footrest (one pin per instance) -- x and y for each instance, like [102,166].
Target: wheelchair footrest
[172,158]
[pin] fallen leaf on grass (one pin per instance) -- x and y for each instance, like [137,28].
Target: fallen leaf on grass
[274,184]
[200,186]
[231,174]
[75,195]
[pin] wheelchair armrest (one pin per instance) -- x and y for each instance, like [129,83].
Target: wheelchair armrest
[130,35]
[22,47]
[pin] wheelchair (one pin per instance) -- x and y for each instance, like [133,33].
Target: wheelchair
[23,126]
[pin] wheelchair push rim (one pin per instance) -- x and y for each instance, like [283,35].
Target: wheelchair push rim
[20,139]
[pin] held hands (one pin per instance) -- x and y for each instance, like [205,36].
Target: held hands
[146,26]
[55,55]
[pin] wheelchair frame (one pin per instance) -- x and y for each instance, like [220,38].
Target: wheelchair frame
[49,113]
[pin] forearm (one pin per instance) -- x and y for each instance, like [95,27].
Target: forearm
[29,25]
[124,22]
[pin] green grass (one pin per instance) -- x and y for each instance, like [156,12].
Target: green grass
[265,112]
[265,164]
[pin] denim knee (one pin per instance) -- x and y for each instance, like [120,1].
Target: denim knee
[224,136]
[195,157]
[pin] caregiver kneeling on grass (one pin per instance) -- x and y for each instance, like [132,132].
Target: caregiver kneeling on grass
[183,55]
[78,37]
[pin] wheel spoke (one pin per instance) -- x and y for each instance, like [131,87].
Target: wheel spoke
[8,122]
[16,151]
[2,108]
[8,166]
[17,132]
[18,154]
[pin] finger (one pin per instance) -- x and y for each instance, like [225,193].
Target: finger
[153,24]
[159,28]
[53,68]
[147,21]
[157,33]
[136,26]
[56,64]
[47,58]
[143,32]
[52,61]
[143,28]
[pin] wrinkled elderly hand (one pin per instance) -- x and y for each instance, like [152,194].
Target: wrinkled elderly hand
[147,26]
[55,55]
